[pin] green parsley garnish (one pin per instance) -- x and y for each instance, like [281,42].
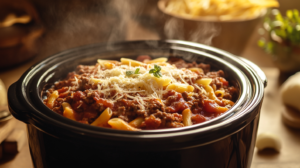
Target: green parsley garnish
[129,73]
[137,70]
[156,71]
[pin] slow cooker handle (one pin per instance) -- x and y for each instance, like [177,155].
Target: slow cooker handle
[14,104]
[259,72]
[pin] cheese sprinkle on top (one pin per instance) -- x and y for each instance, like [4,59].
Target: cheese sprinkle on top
[112,75]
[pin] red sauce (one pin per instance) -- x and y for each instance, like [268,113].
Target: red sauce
[88,102]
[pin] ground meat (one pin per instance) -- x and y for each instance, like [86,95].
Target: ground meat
[88,102]
[174,125]
[151,122]
[169,116]
[179,63]
[155,106]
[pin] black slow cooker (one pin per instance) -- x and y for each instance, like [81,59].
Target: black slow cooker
[223,142]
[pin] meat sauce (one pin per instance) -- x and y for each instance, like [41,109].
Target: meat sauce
[86,103]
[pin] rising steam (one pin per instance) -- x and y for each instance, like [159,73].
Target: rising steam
[69,25]
[201,32]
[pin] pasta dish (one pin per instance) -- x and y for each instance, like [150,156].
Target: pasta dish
[142,94]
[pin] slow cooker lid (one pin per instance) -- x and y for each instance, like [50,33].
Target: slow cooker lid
[40,116]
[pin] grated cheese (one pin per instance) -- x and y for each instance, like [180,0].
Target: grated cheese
[149,86]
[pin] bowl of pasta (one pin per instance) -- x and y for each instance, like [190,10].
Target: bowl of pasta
[172,103]
[225,24]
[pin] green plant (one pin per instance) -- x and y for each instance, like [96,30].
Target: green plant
[282,29]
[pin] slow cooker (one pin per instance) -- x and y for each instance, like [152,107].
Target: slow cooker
[226,141]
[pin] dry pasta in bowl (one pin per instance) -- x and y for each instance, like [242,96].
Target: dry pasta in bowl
[142,94]
[223,10]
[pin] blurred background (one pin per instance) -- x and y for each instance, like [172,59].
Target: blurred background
[31,30]
[58,25]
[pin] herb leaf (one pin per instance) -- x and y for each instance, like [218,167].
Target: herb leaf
[158,68]
[137,71]
[152,71]
[129,73]
[156,71]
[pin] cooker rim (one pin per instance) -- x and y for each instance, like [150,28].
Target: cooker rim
[162,133]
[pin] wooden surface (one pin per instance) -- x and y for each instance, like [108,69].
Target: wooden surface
[270,119]
[5,128]
[20,160]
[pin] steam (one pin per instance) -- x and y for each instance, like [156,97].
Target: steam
[124,11]
[133,13]
[206,32]
[174,29]
[68,25]
[201,32]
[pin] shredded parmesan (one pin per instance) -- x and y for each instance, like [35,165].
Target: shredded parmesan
[145,84]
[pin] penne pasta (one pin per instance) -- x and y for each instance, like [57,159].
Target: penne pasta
[204,81]
[52,98]
[131,62]
[108,64]
[119,124]
[68,111]
[180,88]
[219,93]
[197,70]
[157,60]
[186,117]
[213,107]
[228,102]
[221,109]
[159,81]
[103,117]
[136,122]
[162,81]
[210,91]
[65,105]
[94,81]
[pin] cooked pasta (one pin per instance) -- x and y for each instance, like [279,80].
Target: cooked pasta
[149,94]
[68,111]
[51,99]
[186,117]
[103,118]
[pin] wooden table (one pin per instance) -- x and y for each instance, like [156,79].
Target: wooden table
[270,119]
